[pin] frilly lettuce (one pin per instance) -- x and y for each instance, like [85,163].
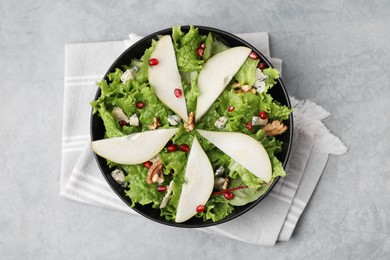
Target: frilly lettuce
[186,46]
[174,168]
[246,74]
[139,190]
[109,122]
[216,209]
[191,89]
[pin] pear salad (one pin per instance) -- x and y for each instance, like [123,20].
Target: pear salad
[190,126]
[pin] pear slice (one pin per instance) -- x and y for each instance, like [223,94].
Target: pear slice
[216,75]
[165,77]
[135,148]
[244,149]
[199,183]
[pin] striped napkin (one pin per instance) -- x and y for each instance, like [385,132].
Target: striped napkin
[274,219]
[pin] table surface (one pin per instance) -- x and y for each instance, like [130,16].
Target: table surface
[335,53]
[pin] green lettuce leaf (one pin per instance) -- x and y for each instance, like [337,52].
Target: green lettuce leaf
[216,208]
[246,75]
[270,143]
[177,34]
[153,106]
[186,46]
[115,86]
[218,46]
[245,195]
[272,74]
[169,212]
[272,146]
[208,51]
[250,180]
[142,74]
[139,190]
[277,167]
[191,90]
[174,165]
[183,137]
[218,158]
[111,126]
[245,106]
[273,108]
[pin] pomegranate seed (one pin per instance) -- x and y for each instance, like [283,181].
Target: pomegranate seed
[153,62]
[249,126]
[230,108]
[178,93]
[123,123]
[263,115]
[161,188]
[148,164]
[184,148]
[228,195]
[140,105]
[253,55]
[200,208]
[172,148]
[200,52]
[203,45]
[262,66]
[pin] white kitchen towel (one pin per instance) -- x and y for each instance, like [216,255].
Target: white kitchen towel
[273,219]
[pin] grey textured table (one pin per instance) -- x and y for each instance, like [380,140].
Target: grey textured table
[335,53]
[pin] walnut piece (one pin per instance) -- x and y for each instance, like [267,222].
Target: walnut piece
[275,128]
[156,123]
[243,89]
[191,122]
[155,173]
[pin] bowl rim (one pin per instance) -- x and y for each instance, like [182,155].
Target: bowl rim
[223,34]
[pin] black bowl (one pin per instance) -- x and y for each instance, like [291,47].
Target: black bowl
[278,92]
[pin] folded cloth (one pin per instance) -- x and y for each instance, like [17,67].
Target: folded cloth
[274,219]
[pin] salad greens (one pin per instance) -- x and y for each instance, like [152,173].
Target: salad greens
[245,186]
